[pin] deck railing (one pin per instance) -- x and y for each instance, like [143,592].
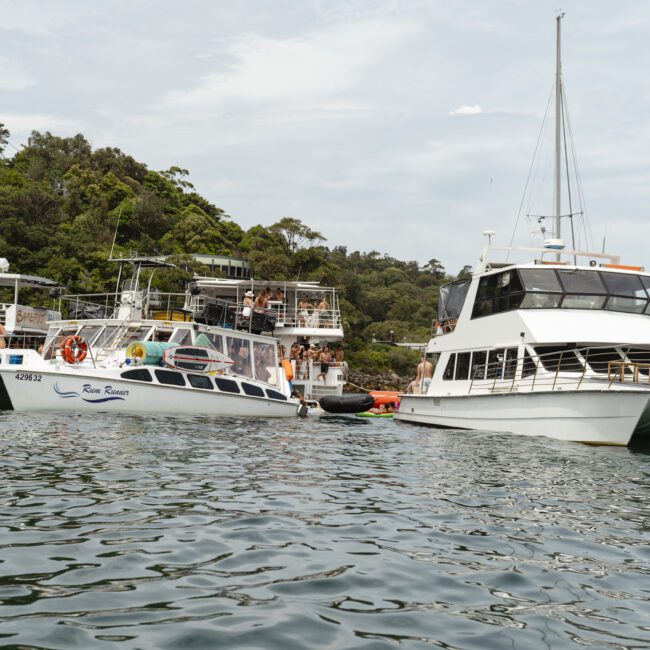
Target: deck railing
[569,369]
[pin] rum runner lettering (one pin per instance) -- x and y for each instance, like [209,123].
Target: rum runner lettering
[88,389]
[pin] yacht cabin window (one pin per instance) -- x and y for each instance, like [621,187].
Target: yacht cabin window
[510,368]
[449,369]
[200,381]
[543,288]
[600,358]
[169,377]
[560,358]
[482,364]
[479,359]
[462,365]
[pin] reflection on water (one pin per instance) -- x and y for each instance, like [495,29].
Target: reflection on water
[166,533]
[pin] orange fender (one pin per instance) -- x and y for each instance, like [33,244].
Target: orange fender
[288,370]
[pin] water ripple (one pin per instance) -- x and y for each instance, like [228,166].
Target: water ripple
[155,532]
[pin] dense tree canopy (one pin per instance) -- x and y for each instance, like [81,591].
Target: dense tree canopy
[63,203]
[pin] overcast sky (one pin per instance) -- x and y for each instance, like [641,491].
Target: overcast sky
[407,127]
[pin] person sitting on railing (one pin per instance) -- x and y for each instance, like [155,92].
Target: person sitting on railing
[248,304]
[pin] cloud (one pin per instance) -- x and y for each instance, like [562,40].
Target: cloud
[467,110]
[21,125]
[13,77]
[321,64]
[33,18]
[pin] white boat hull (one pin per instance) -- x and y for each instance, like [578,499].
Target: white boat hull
[594,417]
[79,392]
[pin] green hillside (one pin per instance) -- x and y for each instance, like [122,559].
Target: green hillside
[61,200]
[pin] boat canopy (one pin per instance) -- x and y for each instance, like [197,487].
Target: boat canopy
[451,299]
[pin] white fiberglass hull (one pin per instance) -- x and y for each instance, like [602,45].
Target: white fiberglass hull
[91,392]
[594,417]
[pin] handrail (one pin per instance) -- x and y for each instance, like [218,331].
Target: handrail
[572,368]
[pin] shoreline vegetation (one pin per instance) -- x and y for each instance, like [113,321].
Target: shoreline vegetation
[62,202]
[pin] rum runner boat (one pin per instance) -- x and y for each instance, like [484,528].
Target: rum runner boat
[96,363]
[558,345]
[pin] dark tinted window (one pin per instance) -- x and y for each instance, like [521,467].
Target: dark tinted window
[624,284]
[529,366]
[273,394]
[200,381]
[479,359]
[540,280]
[640,356]
[511,363]
[495,364]
[561,358]
[462,365]
[226,385]
[139,374]
[497,293]
[582,282]
[170,377]
[631,305]
[249,389]
[449,370]
[599,359]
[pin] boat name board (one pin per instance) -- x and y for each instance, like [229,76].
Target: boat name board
[20,317]
[93,394]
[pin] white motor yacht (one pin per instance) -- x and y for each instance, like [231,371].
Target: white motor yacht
[558,345]
[542,348]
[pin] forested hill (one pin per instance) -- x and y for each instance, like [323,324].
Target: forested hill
[60,202]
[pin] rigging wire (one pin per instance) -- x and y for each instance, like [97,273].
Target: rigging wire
[578,180]
[530,172]
[567,169]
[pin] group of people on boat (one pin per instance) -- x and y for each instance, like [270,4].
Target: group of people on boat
[263,299]
[311,311]
[304,356]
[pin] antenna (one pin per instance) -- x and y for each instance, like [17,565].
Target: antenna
[117,225]
[489,234]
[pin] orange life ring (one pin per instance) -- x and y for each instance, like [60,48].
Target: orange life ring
[74,349]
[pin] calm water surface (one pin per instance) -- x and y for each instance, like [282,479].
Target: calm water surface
[134,532]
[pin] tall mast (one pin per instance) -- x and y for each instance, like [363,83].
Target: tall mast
[558,132]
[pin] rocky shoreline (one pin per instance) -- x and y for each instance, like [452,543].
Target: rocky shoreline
[358,381]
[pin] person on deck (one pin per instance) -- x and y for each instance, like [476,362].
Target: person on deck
[423,377]
[262,300]
[325,358]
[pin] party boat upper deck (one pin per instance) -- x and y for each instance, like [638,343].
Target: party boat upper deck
[301,312]
[23,324]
